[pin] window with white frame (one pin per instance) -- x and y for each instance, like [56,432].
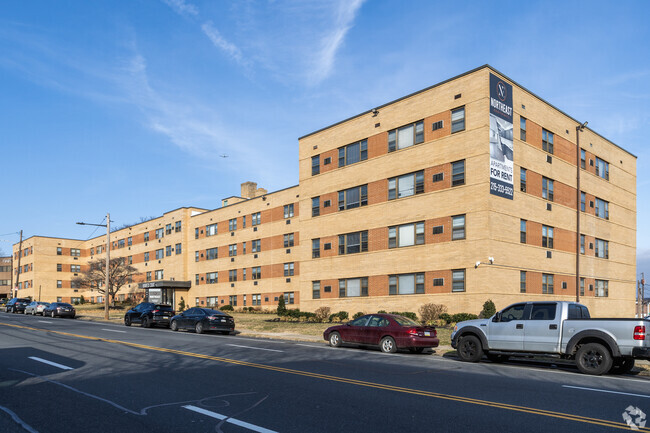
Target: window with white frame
[602,248]
[406,284]
[288,210]
[212,277]
[353,287]
[602,168]
[602,288]
[457,227]
[288,269]
[211,230]
[406,185]
[458,119]
[458,280]
[602,208]
[406,235]
[406,136]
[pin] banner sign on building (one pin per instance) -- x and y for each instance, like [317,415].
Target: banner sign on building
[501,139]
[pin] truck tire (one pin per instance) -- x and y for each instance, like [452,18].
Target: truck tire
[469,349]
[593,358]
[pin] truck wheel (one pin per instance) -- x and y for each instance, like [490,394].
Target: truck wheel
[469,349]
[593,358]
[622,365]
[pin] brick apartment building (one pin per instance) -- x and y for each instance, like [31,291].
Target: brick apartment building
[464,191]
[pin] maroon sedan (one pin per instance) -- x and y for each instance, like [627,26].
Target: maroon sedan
[388,331]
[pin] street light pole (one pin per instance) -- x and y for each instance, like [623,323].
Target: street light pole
[108,257]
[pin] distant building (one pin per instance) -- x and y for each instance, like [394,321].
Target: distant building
[462,192]
[5,277]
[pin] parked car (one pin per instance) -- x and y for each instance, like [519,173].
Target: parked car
[36,307]
[202,320]
[16,305]
[60,309]
[388,331]
[566,329]
[3,301]
[148,314]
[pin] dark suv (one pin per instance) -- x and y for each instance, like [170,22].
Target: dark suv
[148,314]
[17,305]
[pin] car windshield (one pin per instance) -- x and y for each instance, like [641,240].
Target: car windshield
[405,321]
[214,312]
[63,304]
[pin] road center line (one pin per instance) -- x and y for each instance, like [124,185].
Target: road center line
[45,361]
[257,348]
[113,330]
[230,420]
[605,390]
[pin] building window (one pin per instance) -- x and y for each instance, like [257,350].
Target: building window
[583,159]
[146,256]
[547,284]
[243,222]
[315,165]
[146,239]
[406,136]
[522,179]
[315,289]
[547,237]
[210,230]
[75,252]
[196,256]
[211,277]
[256,272]
[547,188]
[315,248]
[458,280]
[602,168]
[232,300]
[256,246]
[160,254]
[130,260]
[582,286]
[212,253]
[457,227]
[196,233]
[602,248]
[158,275]
[120,243]
[458,173]
[288,210]
[602,288]
[353,287]
[288,240]
[129,241]
[547,141]
[178,248]
[353,197]
[160,233]
[288,298]
[351,243]
[232,224]
[522,281]
[168,250]
[75,268]
[522,231]
[232,250]
[406,235]
[243,274]
[353,153]
[582,244]
[602,208]
[59,267]
[243,247]
[458,119]
[288,269]
[168,229]
[256,218]
[315,206]
[59,251]
[257,299]
[177,226]
[406,284]
[232,275]
[407,185]
[583,201]
[522,128]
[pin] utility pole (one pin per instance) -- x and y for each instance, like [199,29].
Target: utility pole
[108,258]
[640,299]
[20,254]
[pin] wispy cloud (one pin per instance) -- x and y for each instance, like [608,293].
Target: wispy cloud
[220,42]
[331,42]
[182,7]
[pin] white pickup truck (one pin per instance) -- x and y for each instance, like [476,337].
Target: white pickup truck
[560,329]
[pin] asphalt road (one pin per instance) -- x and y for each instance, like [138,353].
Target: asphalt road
[62,375]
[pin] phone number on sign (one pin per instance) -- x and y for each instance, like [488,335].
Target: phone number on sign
[501,188]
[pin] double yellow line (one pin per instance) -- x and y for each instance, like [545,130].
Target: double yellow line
[505,406]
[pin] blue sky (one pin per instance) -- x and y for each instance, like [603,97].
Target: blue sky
[126,106]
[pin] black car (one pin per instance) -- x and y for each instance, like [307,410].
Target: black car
[16,305]
[60,309]
[202,320]
[148,314]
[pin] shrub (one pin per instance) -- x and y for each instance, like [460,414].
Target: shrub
[181,305]
[82,300]
[429,313]
[293,313]
[343,315]
[446,318]
[322,313]
[408,314]
[357,315]
[488,309]
[381,312]
[461,317]
[282,308]
[227,307]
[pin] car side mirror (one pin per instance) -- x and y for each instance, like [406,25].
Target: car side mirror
[497,317]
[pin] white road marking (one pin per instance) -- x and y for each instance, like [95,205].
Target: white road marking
[113,330]
[230,420]
[19,421]
[257,348]
[45,361]
[44,321]
[605,390]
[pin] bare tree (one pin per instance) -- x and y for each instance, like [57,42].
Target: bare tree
[119,274]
